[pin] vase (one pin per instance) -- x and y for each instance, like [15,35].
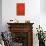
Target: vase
[41,43]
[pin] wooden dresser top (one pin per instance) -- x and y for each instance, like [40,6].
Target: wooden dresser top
[19,23]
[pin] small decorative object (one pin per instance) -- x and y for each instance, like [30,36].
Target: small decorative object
[11,20]
[27,21]
[41,36]
[20,9]
[14,21]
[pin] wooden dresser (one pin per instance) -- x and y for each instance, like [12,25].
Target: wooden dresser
[22,33]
